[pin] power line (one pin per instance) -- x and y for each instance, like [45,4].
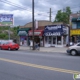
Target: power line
[13,4]
[24,8]
[57,11]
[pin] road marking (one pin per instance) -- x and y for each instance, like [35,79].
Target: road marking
[41,66]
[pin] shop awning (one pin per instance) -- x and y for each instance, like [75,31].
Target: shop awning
[36,32]
[23,31]
[74,32]
[75,19]
[55,30]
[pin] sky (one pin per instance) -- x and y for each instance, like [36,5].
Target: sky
[22,9]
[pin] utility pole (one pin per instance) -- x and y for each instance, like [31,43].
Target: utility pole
[9,32]
[50,15]
[33,22]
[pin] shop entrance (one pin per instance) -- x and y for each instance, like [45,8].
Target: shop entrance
[53,41]
[37,39]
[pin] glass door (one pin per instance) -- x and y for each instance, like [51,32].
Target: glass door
[53,40]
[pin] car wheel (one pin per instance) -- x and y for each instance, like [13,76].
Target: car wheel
[9,48]
[73,52]
[16,49]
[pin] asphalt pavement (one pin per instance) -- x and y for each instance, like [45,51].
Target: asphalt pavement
[46,49]
[24,65]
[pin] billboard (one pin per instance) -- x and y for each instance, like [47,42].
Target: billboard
[6,19]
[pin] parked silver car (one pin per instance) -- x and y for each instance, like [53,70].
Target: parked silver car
[74,50]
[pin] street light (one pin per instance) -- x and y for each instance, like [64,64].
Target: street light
[33,22]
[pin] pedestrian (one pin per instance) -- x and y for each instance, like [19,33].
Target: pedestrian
[37,46]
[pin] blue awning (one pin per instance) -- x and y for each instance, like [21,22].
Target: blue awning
[54,30]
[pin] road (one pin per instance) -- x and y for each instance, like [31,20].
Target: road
[26,65]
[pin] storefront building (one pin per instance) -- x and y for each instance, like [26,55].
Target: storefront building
[23,33]
[38,31]
[75,35]
[56,36]
[38,36]
[75,29]
[52,35]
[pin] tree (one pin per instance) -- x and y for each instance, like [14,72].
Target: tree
[63,16]
[4,32]
[58,16]
[68,12]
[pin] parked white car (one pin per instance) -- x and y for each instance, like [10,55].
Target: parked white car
[74,50]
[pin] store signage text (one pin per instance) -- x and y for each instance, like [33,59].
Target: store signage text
[52,34]
[74,32]
[55,30]
[35,33]
[56,27]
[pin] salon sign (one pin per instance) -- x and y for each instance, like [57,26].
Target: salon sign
[54,30]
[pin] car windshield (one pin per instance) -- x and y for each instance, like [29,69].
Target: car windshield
[78,44]
[10,43]
[13,43]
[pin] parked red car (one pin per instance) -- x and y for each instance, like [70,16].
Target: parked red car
[1,43]
[9,46]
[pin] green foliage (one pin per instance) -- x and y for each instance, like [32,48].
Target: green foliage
[63,16]
[4,35]
[4,28]
[68,11]
[14,30]
[58,16]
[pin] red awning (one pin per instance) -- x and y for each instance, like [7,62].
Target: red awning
[36,32]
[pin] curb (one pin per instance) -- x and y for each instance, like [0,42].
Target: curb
[43,51]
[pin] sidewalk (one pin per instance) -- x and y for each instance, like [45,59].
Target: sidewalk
[46,49]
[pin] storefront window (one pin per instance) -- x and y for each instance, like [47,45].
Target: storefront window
[65,39]
[78,25]
[23,40]
[49,39]
[78,39]
[46,39]
[54,40]
[74,25]
[59,40]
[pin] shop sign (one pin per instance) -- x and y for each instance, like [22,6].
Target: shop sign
[55,30]
[65,30]
[52,34]
[74,32]
[35,33]
[53,27]
[20,33]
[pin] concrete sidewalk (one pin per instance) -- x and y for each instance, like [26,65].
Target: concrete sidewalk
[46,49]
